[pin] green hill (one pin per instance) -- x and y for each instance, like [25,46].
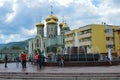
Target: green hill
[21,44]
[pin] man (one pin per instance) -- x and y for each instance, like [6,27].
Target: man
[6,60]
[23,58]
[40,60]
[62,61]
[17,61]
[108,59]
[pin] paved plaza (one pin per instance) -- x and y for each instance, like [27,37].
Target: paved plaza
[34,69]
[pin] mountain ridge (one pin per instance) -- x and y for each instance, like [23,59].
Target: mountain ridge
[21,44]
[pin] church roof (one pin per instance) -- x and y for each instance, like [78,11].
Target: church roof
[63,25]
[40,24]
[52,18]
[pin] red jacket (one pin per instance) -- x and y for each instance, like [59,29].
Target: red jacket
[36,56]
[23,56]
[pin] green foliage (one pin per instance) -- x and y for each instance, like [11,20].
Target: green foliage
[15,47]
[38,51]
[5,48]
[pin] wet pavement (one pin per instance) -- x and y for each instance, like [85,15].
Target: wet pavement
[34,69]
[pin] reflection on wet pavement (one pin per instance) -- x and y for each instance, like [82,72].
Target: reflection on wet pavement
[12,67]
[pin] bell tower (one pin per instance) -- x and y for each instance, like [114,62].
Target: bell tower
[40,28]
[51,23]
[63,27]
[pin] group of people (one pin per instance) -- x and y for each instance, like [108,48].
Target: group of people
[17,60]
[39,60]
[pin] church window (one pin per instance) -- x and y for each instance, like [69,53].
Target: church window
[37,43]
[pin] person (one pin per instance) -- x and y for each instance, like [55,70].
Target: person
[6,60]
[108,59]
[17,61]
[23,59]
[36,58]
[40,60]
[43,63]
[62,61]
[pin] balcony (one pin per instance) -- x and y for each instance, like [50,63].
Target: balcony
[69,45]
[109,35]
[85,43]
[69,39]
[69,32]
[85,28]
[109,42]
[85,35]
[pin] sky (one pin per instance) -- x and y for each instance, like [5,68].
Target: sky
[19,17]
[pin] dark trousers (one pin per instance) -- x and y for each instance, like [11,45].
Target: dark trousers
[40,62]
[24,64]
[5,63]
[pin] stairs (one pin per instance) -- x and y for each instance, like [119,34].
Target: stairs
[58,76]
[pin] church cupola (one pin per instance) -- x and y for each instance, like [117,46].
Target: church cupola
[52,19]
[51,24]
[63,27]
[40,28]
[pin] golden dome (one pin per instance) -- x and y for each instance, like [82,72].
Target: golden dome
[51,17]
[61,24]
[51,21]
[65,25]
[40,24]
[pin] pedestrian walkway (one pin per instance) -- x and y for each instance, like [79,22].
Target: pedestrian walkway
[32,72]
[34,69]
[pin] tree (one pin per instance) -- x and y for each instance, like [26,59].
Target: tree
[15,47]
[5,48]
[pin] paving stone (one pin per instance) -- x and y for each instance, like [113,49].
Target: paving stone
[32,72]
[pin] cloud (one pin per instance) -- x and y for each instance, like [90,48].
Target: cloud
[18,17]
[1,4]
[34,3]
[107,10]
[10,16]
[28,32]
[64,3]
[25,34]
[9,38]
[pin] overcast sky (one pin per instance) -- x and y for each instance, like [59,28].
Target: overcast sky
[19,17]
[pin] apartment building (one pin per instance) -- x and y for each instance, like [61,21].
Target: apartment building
[96,38]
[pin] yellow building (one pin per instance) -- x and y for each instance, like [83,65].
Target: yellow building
[118,48]
[70,38]
[96,38]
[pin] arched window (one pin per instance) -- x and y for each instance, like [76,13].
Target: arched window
[37,42]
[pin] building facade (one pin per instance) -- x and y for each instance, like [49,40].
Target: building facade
[118,49]
[96,38]
[52,42]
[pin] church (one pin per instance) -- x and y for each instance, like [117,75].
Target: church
[52,42]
